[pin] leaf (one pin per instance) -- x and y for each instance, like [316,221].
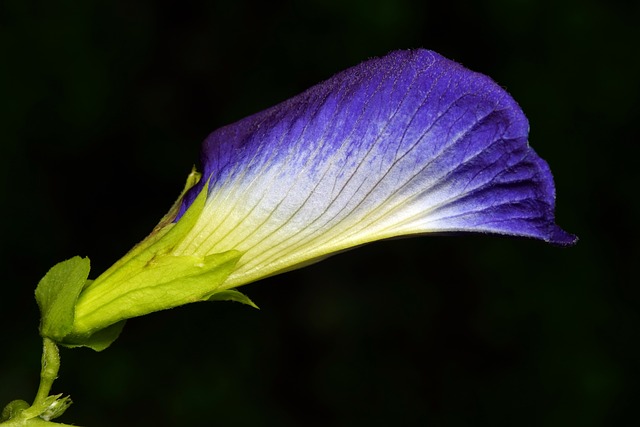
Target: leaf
[57,294]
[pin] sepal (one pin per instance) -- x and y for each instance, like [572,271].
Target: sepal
[233,295]
[77,312]
[160,283]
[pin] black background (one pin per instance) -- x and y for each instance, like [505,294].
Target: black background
[103,106]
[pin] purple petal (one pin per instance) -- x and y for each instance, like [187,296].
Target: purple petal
[405,144]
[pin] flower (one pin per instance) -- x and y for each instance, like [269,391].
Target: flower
[407,144]
[410,143]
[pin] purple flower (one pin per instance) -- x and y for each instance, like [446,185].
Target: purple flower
[407,144]
[410,143]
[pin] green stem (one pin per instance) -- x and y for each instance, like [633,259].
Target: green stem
[33,422]
[44,407]
[50,368]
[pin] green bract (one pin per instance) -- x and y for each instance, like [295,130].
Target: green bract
[80,312]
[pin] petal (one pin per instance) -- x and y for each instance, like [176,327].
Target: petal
[406,144]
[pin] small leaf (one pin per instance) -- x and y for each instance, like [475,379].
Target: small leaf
[233,295]
[57,294]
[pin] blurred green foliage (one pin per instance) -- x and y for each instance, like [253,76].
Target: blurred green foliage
[102,109]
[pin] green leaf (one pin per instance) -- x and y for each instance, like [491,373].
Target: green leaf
[57,294]
[233,295]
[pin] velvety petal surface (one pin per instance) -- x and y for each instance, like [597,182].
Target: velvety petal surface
[410,143]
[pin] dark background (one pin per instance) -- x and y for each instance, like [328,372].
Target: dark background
[103,106]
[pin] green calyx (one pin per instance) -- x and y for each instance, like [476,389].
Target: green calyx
[80,312]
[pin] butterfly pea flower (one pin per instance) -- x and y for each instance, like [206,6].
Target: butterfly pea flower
[407,144]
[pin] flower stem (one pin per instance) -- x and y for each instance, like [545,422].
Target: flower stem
[44,407]
[49,372]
